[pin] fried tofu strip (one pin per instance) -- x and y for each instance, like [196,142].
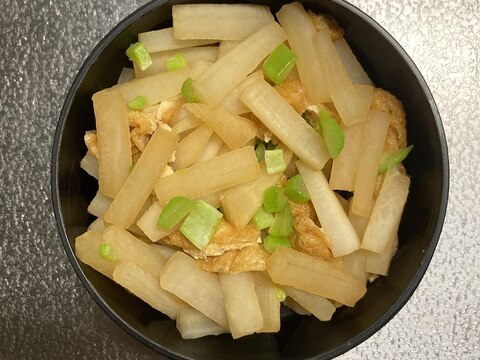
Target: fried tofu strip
[250,258]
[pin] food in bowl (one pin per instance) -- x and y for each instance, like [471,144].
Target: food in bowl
[266,169]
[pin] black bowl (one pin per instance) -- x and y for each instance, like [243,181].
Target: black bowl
[300,337]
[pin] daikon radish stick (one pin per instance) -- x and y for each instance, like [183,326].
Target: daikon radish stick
[113,134]
[164,40]
[225,46]
[87,250]
[359,223]
[269,303]
[127,74]
[156,87]
[139,184]
[292,304]
[344,167]
[199,288]
[148,223]
[99,205]
[241,202]
[351,107]
[188,122]
[304,272]
[90,165]
[241,302]
[373,141]
[164,251]
[300,32]
[212,149]
[234,130]
[191,55]
[355,264]
[145,285]
[98,225]
[387,212]
[232,103]
[219,21]
[349,60]
[190,147]
[318,306]
[341,236]
[230,169]
[127,247]
[379,263]
[227,72]
[284,122]
[213,198]
[192,324]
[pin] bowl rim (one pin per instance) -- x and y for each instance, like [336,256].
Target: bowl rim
[356,340]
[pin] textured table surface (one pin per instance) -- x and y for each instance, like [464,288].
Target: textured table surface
[44,310]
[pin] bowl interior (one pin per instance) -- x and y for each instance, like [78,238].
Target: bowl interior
[300,337]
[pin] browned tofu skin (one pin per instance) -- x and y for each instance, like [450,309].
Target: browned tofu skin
[324,21]
[227,238]
[91,142]
[310,239]
[303,210]
[383,101]
[250,258]
[293,92]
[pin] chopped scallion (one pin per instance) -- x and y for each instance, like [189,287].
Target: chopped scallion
[138,103]
[188,93]
[260,151]
[175,210]
[106,252]
[274,161]
[279,64]
[271,243]
[282,223]
[332,133]
[280,294]
[274,199]
[296,190]
[389,161]
[139,55]
[176,62]
[201,224]
[262,219]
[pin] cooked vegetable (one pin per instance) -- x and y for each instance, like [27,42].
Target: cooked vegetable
[192,324]
[352,66]
[190,147]
[274,161]
[331,133]
[274,199]
[218,21]
[320,307]
[139,55]
[279,63]
[164,40]
[231,102]
[175,211]
[296,190]
[272,242]
[99,205]
[282,223]
[139,185]
[188,92]
[262,219]
[379,263]
[268,300]
[389,161]
[200,289]
[90,165]
[86,249]
[148,223]
[114,154]
[176,62]
[138,103]
[284,122]
[201,224]
[106,252]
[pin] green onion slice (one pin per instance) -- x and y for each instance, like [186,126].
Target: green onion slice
[175,210]
[274,161]
[139,55]
[296,190]
[280,294]
[262,219]
[260,151]
[138,103]
[201,224]
[389,161]
[282,223]
[279,64]
[106,252]
[274,199]
[271,243]
[188,93]
[332,133]
[176,62]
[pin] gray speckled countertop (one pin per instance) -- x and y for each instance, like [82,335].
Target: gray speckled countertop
[44,310]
